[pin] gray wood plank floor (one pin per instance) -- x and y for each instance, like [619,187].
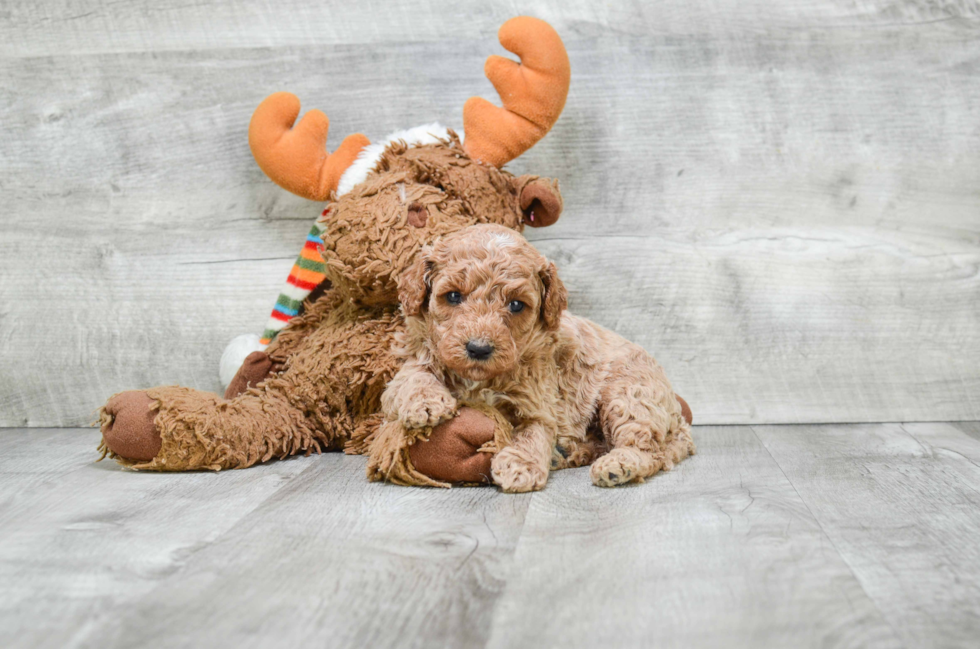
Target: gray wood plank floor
[803,536]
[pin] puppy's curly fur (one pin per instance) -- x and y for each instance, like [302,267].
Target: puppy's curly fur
[486,321]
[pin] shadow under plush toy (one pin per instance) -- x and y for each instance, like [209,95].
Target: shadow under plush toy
[318,383]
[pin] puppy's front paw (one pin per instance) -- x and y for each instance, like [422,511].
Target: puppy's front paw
[428,409]
[517,474]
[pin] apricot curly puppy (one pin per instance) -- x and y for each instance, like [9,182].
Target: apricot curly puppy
[486,321]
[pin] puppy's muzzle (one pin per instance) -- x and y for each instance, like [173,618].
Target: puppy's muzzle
[479,350]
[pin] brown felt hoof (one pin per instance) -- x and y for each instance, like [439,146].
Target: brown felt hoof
[131,433]
[256,368]
[685,410]
[450,454]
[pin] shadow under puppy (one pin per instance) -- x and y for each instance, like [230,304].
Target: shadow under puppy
[486,322]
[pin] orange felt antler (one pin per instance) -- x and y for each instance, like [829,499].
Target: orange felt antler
[533,93]
[296,159]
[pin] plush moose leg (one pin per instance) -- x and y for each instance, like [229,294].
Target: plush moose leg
[458,451]
[258,366]
[173,428]
[128,431]
[199,430]
[452,452]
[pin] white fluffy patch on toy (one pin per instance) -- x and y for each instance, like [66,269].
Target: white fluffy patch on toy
[234,355]
[369,156]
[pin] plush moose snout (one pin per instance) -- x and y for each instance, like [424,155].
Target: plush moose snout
[540,201]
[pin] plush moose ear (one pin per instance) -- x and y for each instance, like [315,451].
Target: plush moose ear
[540,200]
[555,299]
[414,285]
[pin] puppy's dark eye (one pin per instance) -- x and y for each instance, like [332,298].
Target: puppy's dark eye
[516,306]
[454,297]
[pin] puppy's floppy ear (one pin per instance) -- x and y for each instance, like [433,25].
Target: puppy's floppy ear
[555,299]
[539,200]
[414,284]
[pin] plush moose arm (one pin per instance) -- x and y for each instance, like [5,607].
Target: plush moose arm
[260,365]
[413,448]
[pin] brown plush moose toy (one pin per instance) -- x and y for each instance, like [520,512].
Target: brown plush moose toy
[317,386]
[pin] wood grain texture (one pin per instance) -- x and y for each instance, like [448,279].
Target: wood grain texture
[69,27]
[335,560]
[718,552]
[79,541]
[901,505]
[779,201]
[772,536]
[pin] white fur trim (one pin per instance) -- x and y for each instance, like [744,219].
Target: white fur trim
[368,158]
[234,355]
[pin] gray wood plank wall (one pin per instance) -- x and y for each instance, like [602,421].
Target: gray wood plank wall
[781,200]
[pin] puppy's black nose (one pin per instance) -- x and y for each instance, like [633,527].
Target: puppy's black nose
[479,350]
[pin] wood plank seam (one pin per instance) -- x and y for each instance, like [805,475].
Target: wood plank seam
[827,536]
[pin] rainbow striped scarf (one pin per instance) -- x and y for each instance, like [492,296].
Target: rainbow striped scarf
[307,273]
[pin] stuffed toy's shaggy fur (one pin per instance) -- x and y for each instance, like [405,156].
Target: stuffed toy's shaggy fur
[318,384]
[331,363]
[487,323]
